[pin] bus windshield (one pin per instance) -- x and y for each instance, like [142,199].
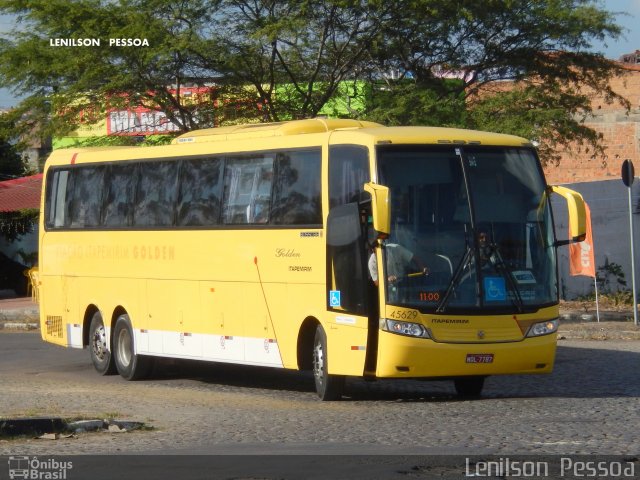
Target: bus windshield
[470,229]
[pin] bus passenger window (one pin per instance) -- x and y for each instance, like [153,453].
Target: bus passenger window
[247,190]
[348,172]
[117,207]
[56,198]
[155,194]
[297,197]
[85,197]
[200,198]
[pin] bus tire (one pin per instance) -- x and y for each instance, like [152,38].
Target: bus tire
[130,365]
[328,387]
[469,387]
[98,349]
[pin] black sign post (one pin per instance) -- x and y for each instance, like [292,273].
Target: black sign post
[628,175]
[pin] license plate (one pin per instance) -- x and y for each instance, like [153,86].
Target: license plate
[479,357]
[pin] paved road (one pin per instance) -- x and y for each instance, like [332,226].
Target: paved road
[590,404]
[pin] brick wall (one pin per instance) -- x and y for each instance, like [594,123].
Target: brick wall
[621,137]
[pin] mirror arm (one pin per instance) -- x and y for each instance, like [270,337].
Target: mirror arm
[562,243]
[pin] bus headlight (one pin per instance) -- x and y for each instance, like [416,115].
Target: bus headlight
[404,328]
[543,328]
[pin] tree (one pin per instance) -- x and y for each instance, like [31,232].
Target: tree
[60,82]
[543,46]
[294,53]
[12,164]
[274,59]
[428,61]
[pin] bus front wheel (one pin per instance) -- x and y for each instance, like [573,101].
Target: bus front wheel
[100,352]
[130,365]
[328,387]
[469,387]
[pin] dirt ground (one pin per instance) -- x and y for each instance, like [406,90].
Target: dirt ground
[598,331]
[579,321]
[589,306]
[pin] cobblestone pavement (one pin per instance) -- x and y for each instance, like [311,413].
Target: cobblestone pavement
[590,404]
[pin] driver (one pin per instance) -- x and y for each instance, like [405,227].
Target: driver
[400,263]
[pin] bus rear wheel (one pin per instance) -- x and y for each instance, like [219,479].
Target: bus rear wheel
[469,387]
[130,365]
[328,387]
[99,350]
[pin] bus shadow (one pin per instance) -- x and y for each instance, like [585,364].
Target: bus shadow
[231,375]
[580,372]
[242,377]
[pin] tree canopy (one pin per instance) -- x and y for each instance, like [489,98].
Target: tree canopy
[430,62]
[12,164]
[543,46]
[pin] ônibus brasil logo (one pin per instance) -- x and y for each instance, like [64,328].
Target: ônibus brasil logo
[35,469]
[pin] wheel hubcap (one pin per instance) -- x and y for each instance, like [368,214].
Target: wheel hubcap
[124,347]
[318,362]
[99,343]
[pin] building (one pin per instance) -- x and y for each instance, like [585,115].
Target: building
[18,233]
[598,178]
[620,136]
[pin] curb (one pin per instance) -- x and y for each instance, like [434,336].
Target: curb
[26,318]
[589,317]
[19,326]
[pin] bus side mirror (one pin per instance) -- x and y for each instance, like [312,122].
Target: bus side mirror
[577,213]
[380,208]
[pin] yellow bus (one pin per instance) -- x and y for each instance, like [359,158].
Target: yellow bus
[337,246]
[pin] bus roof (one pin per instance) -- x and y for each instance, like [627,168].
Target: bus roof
[375,131]
[440,135]
[341,131]
[261,130]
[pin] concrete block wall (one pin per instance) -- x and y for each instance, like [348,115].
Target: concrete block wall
[609,204]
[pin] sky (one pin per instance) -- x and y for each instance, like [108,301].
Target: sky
[628,17]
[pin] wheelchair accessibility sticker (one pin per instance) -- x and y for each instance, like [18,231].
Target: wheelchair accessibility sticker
[334,298]
[494,289]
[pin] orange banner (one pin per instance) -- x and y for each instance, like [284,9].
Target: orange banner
[581,257]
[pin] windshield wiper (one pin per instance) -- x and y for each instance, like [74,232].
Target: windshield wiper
[466,259]
[497,261]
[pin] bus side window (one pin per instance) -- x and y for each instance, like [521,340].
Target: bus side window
[247,190]
[119,197]
[155,194]
[348,172]
[296,196]
[200,196]
[85,196]
[56,198]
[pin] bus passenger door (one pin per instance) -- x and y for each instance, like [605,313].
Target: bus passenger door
[348,295]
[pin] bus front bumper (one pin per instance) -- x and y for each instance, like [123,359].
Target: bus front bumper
[409,357]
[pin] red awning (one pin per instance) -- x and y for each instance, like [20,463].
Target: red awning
[20,193]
